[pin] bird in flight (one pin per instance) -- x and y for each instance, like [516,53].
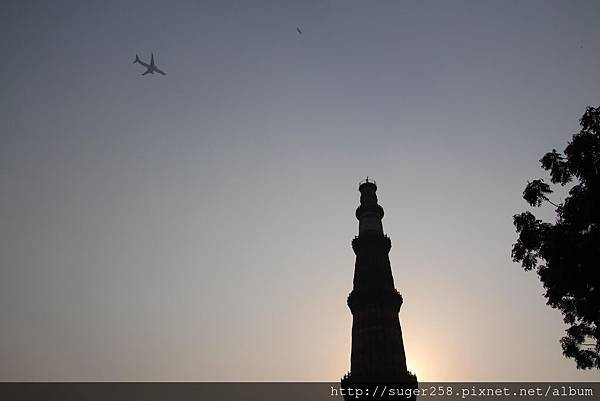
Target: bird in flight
[150,68]
[299,31]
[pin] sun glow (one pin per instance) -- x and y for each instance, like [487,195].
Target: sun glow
[417,362]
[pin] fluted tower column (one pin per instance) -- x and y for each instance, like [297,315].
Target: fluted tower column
[377,347]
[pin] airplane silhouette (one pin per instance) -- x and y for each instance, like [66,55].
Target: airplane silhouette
[151,68]
[299,31]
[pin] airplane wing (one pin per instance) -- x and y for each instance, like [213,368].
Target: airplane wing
[148,71]
[160,71]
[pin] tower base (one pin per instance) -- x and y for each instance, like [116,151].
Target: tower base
[403,388]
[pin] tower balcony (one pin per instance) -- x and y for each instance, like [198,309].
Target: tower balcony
[375,298]
[371,241]
[375,210]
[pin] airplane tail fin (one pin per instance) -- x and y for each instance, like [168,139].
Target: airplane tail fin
[137,59]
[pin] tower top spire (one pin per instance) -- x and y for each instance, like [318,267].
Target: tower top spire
[369,213]
[367,181]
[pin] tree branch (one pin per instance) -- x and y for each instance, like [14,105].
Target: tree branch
[550,202]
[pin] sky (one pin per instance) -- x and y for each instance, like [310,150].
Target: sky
[197,226]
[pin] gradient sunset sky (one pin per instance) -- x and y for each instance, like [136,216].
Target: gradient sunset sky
[197,226]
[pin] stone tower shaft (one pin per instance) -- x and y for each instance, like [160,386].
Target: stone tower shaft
[377,346]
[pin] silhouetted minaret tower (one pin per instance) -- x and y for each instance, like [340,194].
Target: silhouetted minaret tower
[377,346]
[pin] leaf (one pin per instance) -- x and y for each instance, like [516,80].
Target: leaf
[535,192]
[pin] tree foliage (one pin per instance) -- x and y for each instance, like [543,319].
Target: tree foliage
[566,254]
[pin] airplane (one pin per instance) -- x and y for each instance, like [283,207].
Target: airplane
[299,31]
[151,68]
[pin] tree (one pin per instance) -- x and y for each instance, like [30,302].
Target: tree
[566,254]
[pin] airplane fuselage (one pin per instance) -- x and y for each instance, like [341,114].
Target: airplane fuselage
[150,68]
